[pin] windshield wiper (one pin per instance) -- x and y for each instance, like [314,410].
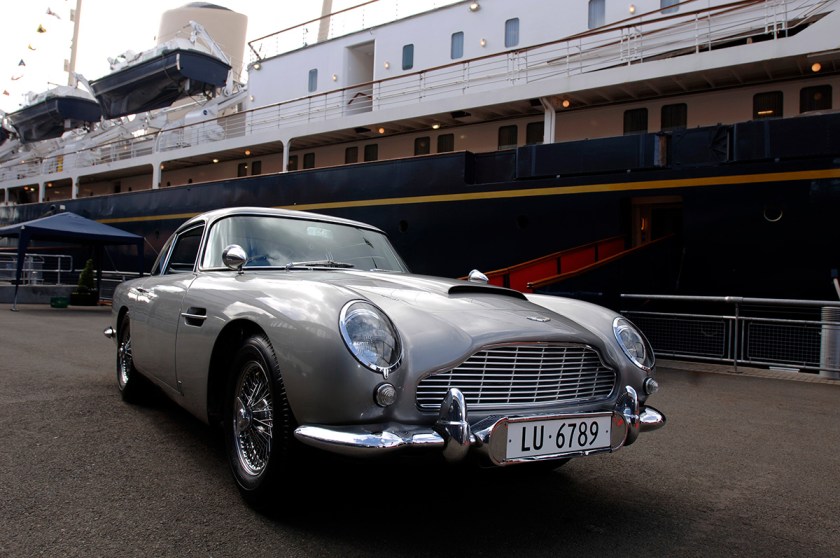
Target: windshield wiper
[319,263]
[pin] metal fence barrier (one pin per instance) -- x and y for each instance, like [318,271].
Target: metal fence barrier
[795,335]
[42,269]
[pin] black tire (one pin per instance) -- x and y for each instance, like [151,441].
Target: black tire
[134,388]
[258,423]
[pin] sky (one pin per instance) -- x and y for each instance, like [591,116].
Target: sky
[34,61]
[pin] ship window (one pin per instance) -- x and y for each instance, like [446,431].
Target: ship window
[372,152]
[507,136]
[512,32]
[313,80]
[534,133]
[242,169]
[815,98]
[256,168]
[351,155]
[408,57]
[293,163]
[309,160]
[457,48]
[422,146]
[767,105]
[635,121]
[669,6]
[597,13]
[446,143]
[674,117]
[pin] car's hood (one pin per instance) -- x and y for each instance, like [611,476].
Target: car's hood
[484,314]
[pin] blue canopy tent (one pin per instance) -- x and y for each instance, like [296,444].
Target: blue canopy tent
[68,228]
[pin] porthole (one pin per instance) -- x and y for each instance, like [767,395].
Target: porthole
[773,214]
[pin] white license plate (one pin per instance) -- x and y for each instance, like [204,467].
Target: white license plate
[534,438]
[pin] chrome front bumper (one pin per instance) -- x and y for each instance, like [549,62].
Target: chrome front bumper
[455,437]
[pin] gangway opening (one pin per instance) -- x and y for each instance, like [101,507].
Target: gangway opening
[542,272]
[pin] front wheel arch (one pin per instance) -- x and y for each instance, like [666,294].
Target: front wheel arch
[224,350]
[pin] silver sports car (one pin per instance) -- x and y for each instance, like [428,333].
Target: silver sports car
[291,328]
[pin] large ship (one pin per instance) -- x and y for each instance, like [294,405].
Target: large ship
[585,148]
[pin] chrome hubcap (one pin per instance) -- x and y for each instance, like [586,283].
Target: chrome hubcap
[253,419]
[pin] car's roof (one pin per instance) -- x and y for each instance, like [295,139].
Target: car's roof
[216,214]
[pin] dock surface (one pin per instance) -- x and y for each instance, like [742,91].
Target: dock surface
[745,466]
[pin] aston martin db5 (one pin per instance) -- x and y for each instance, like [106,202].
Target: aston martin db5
[291,329]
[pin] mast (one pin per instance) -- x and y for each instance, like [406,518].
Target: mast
[324,25]
[71,68]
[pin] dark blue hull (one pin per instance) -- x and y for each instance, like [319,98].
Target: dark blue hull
[743,210]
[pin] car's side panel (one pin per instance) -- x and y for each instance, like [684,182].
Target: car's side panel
[157,320]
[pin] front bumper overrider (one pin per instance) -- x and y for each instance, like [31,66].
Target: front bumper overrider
[455,437]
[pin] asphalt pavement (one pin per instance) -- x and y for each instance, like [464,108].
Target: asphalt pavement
[747,465]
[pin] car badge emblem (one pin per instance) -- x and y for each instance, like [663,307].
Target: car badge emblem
[541,319]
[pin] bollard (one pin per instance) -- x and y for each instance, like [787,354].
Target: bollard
[830,344]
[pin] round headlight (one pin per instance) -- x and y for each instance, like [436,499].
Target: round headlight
[633,343]
[370,336]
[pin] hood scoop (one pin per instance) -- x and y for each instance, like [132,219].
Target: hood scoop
[485,289]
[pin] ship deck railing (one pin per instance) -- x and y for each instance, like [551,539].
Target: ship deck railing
[797,336]
[635,40]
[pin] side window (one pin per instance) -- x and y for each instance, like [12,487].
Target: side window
[534,133]
[408,57]
[768,105]
[371,152]
[508,136]
[313,80]
[351,155]
[309,160]
[446,143]
[293,163]
[185,251]
[157,268]
[456,49]
[597,13]
[674,117]
[512,32]
[815,98]
[635,121]
[669,6]
[422,146]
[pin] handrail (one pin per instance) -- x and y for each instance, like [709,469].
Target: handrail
[594,265]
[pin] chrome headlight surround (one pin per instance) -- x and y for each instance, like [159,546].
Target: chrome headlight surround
[633,343]
[370,336]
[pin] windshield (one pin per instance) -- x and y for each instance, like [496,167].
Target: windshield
[288,242]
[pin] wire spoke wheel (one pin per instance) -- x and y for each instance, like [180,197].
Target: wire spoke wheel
[253,418]
[124,360]
[259,451]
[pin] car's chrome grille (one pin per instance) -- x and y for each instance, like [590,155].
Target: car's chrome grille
[522,376]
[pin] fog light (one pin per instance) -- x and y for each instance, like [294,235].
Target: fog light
[385,395]
[651,386]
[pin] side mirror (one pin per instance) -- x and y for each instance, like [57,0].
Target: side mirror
[234,257]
